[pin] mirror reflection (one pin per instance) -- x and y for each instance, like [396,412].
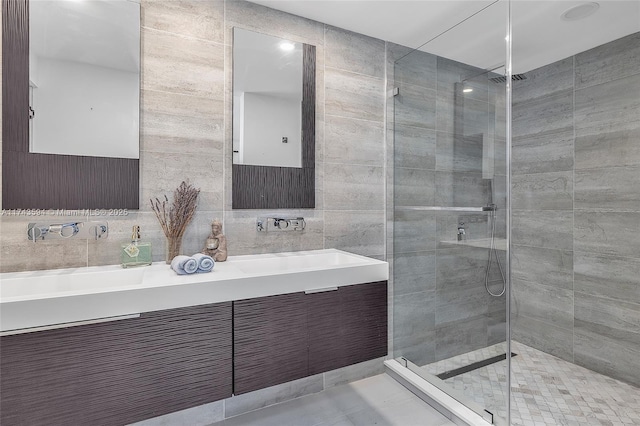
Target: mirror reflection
[84,77]
[267,100]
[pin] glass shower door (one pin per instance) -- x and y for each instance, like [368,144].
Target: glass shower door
[449,252]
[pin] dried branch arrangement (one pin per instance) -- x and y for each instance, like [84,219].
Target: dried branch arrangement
[174,217]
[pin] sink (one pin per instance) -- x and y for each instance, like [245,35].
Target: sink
[50,283]
[66,297]
[296,261]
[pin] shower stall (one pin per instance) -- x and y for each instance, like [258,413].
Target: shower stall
[514,193]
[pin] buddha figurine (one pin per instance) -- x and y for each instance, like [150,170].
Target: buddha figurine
[216,244]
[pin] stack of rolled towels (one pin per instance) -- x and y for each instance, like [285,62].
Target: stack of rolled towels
[196,264]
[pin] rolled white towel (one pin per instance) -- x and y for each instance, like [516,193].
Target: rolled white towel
[183,265]
[205,263]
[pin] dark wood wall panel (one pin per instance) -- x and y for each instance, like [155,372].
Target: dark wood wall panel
[266,187]
[347,326]
[270,341]
[15,75]
[48,181]
[117,372]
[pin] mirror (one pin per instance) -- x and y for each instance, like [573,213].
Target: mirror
[273,122]
[267,100]
[84,78]
[65,116]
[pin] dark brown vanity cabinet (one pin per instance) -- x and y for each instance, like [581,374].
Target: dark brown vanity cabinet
[286,337]
[117,372]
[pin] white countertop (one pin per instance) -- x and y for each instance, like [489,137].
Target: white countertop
[42,298]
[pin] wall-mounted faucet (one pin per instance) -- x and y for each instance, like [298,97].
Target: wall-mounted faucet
[265,224]
[461,231]
[83,230]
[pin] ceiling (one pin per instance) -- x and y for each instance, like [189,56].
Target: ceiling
[473,31]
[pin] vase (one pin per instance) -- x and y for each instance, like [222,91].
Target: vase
[174,247]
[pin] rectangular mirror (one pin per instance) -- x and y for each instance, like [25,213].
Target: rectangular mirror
[70,96]
[273,122]
[84,78]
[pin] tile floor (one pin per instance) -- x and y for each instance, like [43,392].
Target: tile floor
[377,400]
[545,390]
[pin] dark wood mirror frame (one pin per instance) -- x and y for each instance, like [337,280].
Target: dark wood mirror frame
[49,181]
[268,187]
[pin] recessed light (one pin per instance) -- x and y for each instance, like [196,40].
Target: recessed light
[287,46]
[467,90]
[580,11]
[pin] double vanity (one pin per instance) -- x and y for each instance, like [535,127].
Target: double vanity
[104,345]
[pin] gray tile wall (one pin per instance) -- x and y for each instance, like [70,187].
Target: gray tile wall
[186,122]
[576,208]
[185,127]
[440,305]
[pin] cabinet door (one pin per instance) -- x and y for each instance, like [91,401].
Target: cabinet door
[270,341]
[117,372]
[347,326]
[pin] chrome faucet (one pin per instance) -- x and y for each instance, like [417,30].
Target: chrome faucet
[461,231]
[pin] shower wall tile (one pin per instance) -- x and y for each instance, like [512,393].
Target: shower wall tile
[351,141]
[455,338]
[415,147]
[414,320]
[476,227]
[608,233]
[414,272]
[610,188]
[608,351]
[617,315]
[552,152]
[543,336]
[354,95]
[451,72]
[547,114]
[546,304]
[461,189]
[543,191]
[611,61]
[546,229]
[615,148]
[360,232]
[414,231]
[353,187]
[354,52]
[413,67]
[602,275]
[460,267]
[535,265]
[457,153]
[414,187]
[415,106]
[187,18]
[544,81]
[608,107]
[462,303]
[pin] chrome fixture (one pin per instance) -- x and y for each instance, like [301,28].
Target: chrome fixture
[266,224]
[489,208]
[82,230]
[461,231]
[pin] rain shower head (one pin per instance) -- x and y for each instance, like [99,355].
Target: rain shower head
[503,79]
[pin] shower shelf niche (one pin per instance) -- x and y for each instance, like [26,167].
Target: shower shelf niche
[499,243]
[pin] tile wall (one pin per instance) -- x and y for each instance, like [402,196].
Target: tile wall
[576,209]
[186,92]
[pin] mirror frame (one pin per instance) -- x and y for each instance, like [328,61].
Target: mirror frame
[49,181]
[270,187]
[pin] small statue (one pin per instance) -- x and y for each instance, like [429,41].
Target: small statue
[216,244]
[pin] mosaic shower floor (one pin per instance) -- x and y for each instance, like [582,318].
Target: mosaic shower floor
[546,390]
